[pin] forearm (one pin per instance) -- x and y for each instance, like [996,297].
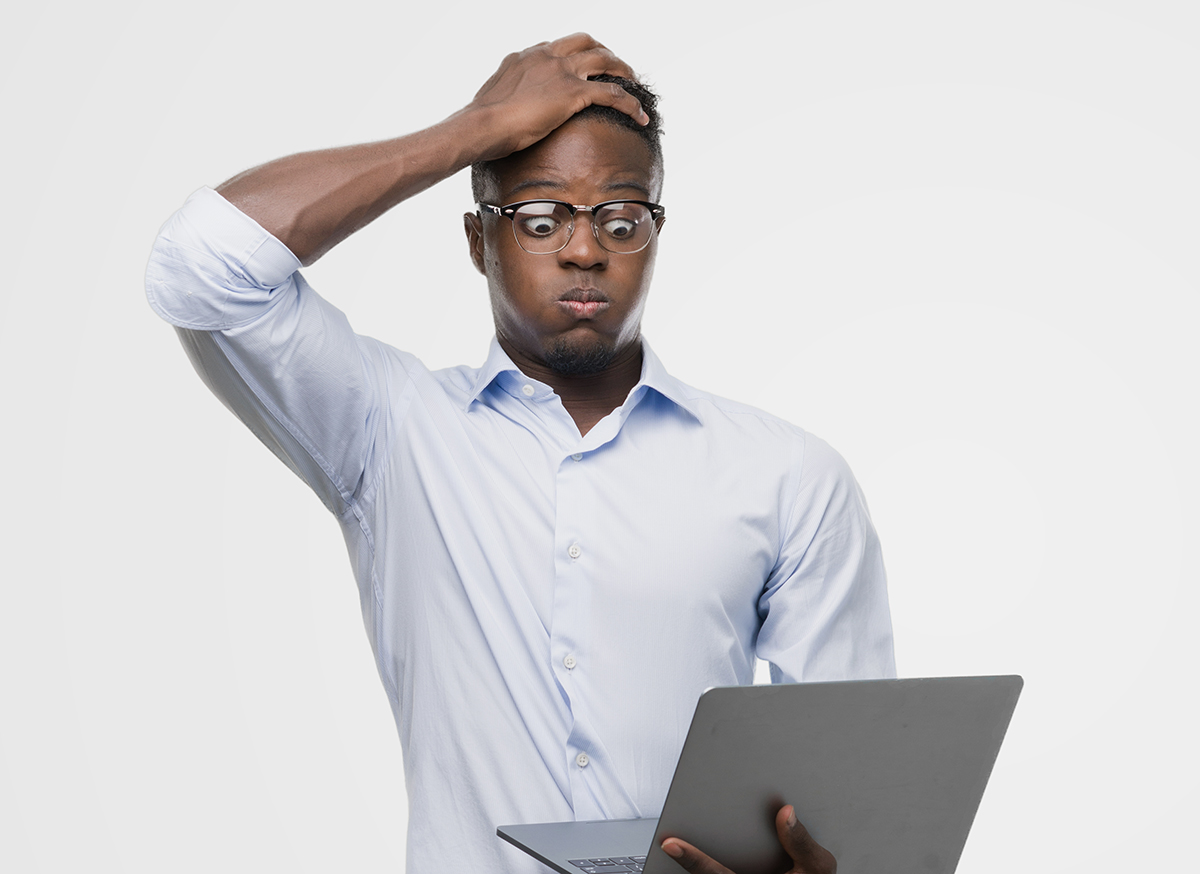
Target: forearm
[314,200]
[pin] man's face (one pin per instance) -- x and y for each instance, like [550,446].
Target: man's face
[580,308]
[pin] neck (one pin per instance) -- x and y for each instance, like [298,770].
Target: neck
[587,398]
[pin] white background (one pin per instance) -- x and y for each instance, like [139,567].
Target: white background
[957,240]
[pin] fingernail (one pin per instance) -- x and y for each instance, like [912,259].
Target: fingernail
[792,818]
[672,849]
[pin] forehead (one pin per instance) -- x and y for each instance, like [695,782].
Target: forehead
[585,158]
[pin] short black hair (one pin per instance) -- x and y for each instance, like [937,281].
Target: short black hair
[483,172]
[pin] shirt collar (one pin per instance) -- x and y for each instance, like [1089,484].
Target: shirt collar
[497,363]
[654,376]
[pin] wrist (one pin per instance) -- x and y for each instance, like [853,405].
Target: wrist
[479,133]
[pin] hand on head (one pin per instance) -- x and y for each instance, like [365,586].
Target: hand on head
[536,90]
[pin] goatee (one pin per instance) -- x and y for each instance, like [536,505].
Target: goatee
[566,359]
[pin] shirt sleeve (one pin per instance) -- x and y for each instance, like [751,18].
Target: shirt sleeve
[824,610]
[282,359]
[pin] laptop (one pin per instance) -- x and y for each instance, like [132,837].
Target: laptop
[885,774]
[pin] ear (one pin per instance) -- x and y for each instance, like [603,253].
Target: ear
[473,225]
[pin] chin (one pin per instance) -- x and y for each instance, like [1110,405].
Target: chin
[573,359]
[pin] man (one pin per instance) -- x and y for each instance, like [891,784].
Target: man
[557,552]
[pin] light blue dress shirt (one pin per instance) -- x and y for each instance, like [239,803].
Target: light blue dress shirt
[544,608]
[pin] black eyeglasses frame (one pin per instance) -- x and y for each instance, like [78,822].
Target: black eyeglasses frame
[657,211]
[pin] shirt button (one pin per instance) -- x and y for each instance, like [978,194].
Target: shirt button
[578,456]
[582,760]
[527,390]
[574,551]
[569,663]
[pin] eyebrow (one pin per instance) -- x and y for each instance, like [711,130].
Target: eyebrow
[559,186]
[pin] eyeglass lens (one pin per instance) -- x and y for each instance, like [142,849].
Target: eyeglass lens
[545,227]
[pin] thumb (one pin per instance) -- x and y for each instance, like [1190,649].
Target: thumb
[809,856]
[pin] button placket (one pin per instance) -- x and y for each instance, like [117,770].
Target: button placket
[575,513]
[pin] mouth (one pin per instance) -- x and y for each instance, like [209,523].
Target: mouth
[584,303]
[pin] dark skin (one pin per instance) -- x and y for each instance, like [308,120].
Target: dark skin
[808,857]
[523,114]
[314,200]
[586,161]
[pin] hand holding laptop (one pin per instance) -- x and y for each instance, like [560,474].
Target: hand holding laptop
[809,856]
[888,774]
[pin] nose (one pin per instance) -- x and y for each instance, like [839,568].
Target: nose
[583,250]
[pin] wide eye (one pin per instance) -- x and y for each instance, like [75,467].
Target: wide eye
[541,218]
[620,228]
[539,225]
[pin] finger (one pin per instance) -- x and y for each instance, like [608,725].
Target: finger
[589,57]
[612,94]
[597,60]
[572,43]
[809,856]
[691,859]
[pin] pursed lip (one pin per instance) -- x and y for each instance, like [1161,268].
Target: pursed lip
[584,303]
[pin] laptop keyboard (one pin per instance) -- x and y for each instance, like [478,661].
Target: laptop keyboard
[613,865]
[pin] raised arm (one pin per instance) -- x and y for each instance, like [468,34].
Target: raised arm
[314,200]
[224,268]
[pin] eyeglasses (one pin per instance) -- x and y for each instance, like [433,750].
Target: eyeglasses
[543,227]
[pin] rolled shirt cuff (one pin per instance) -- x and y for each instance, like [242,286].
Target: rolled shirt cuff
[213,267]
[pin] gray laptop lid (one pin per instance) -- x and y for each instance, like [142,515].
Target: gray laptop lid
[886,774]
